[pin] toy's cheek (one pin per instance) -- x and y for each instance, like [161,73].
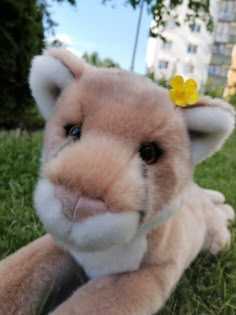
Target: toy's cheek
[49,209]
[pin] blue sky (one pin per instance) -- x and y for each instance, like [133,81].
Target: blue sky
[91,26]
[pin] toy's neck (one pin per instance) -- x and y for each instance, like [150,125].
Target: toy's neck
[124,257]
[160,218]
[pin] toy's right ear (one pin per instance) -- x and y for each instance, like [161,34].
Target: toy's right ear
[50,73]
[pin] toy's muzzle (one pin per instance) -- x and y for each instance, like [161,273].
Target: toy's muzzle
[82,223]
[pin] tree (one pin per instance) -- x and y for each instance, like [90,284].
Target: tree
[162,12]
[232,100]
[213,90]
[162,81]
[21,37]
[95,60]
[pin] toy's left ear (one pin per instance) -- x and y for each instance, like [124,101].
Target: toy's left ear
[50,74]
[209,122]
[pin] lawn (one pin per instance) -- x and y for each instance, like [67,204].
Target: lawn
[208,286]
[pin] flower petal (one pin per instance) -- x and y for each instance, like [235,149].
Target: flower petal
[177,82]
[172,94]
[177,98]
[180,102]
[193,98]
[191,85]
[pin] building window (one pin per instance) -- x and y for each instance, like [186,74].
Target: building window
[222,30]
[219,49]
[188,68]
[214,70]
[166,45]
[226,10]
[192,48]
[195,28]
[170,25]
[163,64]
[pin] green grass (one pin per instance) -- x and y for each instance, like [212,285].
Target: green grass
[208,286]
[19,163]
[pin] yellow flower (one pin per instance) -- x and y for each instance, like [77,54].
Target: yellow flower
[183,93]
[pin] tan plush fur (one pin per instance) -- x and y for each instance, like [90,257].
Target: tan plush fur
[101,175]
[22,286]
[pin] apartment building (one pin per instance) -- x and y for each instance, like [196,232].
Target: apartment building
[224,38]
[191,51]
[231,77]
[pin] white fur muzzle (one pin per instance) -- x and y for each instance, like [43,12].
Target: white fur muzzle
[103,244]
[94,237]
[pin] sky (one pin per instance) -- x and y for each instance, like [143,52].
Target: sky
[109,30]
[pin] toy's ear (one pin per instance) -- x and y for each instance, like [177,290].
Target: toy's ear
[210,123]
[50,73]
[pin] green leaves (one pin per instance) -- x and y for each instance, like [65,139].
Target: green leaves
[94,59]
[21,37]
[163,13]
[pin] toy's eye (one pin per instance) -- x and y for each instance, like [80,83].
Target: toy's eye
[150,152]
[73,131]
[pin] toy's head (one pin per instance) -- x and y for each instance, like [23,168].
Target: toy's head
[116,151]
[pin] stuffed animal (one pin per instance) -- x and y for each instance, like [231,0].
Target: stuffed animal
[115,191]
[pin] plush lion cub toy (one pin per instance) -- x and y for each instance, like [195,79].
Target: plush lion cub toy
[115,191]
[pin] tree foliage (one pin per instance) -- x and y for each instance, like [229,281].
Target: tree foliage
[95,60]
[232,100]
[213,90]
[161,82]
[21,37]
[163,12]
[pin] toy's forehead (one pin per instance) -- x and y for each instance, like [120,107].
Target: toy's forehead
[121,88]
[116,101]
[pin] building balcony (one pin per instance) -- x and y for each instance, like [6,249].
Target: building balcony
[232,39]
[220,59]
[221,38]
[233,18]
[226,16]
[225,38]
[218,80]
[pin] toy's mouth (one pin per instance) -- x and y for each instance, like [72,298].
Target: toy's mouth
[97,232]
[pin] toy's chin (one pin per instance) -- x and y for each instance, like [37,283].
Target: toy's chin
[101,232]
[96,233]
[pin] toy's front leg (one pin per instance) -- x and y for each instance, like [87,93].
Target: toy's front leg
[28,275]
[142,292]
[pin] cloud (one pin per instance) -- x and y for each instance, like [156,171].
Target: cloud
[64,38]
[75,51]
[68,41]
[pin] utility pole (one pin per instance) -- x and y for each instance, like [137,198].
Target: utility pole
[137,36]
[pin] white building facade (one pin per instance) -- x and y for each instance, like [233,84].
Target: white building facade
[224,40]
[186,52]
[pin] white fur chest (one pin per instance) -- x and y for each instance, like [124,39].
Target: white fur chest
[121,258]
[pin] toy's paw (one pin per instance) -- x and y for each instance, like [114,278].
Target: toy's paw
[220,235]
[215,196]
[225,213]
[228,212]
[219,242]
